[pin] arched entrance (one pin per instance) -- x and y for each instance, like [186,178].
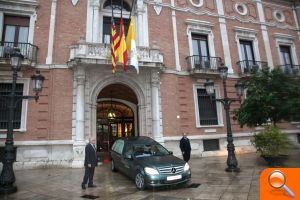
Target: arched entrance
[116,115]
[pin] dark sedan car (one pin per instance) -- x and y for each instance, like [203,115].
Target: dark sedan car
[148,163]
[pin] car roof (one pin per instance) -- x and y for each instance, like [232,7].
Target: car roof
[138,139]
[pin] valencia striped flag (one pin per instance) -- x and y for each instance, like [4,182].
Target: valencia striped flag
[115,42]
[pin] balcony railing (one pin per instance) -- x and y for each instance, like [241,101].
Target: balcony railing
[290,69]
[248,66]
[101,54]
[203,63]
[28,50]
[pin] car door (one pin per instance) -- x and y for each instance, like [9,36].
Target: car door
[127,160]
[116,154]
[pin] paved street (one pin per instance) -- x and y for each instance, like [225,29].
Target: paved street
[215,183]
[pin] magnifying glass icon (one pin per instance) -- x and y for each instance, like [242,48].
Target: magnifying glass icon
[277,180]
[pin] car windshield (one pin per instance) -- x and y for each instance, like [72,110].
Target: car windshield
[146,150]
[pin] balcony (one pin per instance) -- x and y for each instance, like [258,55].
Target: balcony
[290,69]
[246,67]
[203,64]
[96,53]
[29,51]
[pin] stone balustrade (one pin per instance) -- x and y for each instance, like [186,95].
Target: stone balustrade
[89,52]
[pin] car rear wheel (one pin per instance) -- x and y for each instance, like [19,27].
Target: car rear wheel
[112,166]
[140,181]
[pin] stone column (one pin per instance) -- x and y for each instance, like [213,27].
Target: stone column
[224,36]
[155,104]
[96,25]
[265,34]
[140,10]
[79,143]
[1,24]
[51,32]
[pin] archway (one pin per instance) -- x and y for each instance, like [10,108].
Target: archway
[116,115]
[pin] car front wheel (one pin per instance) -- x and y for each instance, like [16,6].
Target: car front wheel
[140,181]
[112,166]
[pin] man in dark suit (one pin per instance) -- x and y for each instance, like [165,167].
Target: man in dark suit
[185,147]
[90,162]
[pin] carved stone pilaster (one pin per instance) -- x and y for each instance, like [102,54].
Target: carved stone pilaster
[155,79]
[156,130]
[140,6]
[79,143]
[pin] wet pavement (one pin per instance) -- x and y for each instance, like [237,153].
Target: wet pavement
[207,173]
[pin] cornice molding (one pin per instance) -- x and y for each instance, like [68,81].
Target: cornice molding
[32,3]
[208,13]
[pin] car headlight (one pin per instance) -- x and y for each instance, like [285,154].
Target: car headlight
[151,171]
[186,167]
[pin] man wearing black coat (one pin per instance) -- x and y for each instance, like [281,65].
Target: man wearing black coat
[185,147]
[90,162]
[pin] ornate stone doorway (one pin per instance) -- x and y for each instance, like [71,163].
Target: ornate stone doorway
[116,115]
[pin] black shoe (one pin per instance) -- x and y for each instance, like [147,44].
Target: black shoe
[92,186]
[83,186]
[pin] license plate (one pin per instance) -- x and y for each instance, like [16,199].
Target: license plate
[172,178]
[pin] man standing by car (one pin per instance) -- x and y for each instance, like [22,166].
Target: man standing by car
[185,147]
[90,162]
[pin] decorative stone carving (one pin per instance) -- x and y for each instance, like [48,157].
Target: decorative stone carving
[279,16]
[241,8]
[198,5]
[154,78]
[102,52]
[157,6]
[74,2]
[228,7]
[288,17]
[268,13]
[210,5]
[140,5]
[252,10]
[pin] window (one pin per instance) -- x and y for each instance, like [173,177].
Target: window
[116,5]
[200,51]
[207,108]
[200,45]
[118,146]
[5,89]
[247,50]
[15,29]
[211,145]
[285,54]
[107,28]
[247,55]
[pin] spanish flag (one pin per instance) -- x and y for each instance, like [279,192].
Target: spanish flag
[122,50]
[114,47]
[131,45]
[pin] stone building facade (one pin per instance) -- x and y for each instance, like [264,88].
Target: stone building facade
[180,45]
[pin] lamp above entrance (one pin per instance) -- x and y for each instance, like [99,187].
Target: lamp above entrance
[111,115]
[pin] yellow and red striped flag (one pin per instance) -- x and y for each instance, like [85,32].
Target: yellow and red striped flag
[121,46]
[114,45]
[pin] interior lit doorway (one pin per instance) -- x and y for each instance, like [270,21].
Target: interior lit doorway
[120,124]
[116,116]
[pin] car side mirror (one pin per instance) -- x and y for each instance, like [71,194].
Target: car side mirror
[171,152]
[128,156]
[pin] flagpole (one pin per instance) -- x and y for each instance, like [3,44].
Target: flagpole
[111,40]
[122,9]
[112,9]
[133,2]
